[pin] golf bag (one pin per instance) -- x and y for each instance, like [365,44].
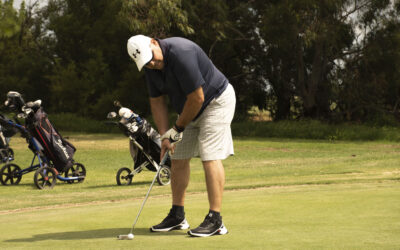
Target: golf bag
[145,135]
[144,145]
[3,139]
[6,153]
[58,150]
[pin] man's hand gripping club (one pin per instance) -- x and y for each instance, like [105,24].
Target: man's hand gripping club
[174,135]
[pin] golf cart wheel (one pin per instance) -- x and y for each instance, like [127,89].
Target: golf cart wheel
[9,174]
[45,178]
[164,176]
[76,170]
[124,176]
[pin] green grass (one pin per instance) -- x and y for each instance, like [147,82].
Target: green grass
[299,217]
[280,194]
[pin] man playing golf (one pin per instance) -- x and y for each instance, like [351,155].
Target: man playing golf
[205,101]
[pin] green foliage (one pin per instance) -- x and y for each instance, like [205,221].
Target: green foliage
[73,123]
[295,58]
[313,129]
[371,83]
[91,67]
[23,64]
[9,20]
[155,18]
[312,35]
[302,129]
[226,32]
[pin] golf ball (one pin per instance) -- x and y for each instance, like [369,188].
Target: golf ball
[130,236]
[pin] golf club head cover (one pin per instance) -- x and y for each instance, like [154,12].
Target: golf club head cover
[125,113]
[129,115]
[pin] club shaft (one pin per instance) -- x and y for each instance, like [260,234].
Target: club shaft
[151,186]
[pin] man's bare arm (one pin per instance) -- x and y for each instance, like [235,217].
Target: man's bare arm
[191,108]
[159,110]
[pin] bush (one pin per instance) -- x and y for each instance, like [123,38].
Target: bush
[312,129]
[73,123]
[303,129]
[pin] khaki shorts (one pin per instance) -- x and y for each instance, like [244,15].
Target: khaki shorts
[209,136]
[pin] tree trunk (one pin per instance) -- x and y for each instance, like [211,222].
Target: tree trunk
[283,106]
[308,82]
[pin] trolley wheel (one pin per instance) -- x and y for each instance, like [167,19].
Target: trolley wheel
[9,174]
[124,176]
[76,170]
[164,176]
[45,178]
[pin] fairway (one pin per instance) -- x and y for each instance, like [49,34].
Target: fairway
[280,194]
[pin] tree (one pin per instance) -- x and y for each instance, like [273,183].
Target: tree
[303,39]
[155,18]
[370,81]
[9,24]
[23,66]
[224,29]
[91,66]
[329,59]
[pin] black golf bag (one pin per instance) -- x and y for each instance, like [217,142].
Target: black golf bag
[58,150]
[3,139]
[147,137]
[144,145]
[6,153]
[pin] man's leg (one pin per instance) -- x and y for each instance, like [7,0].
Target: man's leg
[215,181]
[180,173]
[215,144]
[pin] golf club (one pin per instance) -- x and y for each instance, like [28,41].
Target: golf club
[130,235]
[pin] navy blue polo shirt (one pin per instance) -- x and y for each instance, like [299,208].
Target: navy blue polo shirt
[186,68]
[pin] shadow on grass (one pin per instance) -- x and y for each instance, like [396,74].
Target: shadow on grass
[93,234]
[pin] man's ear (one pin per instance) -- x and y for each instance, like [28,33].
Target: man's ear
[154,42]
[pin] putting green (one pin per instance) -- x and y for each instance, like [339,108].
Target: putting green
[340,216]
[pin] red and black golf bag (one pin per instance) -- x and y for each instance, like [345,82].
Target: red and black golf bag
[58,150]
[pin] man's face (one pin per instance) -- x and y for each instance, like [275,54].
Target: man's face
[157,62]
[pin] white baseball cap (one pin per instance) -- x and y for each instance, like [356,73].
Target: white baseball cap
[139,50]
